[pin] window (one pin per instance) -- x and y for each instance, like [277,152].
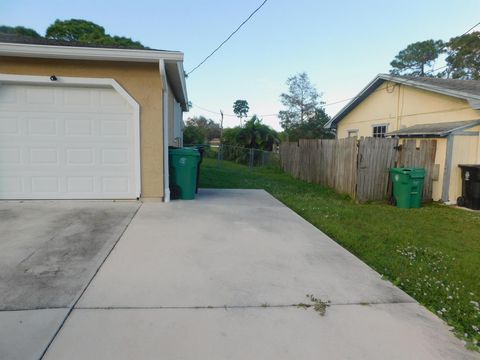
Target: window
[379,130]
[352,133]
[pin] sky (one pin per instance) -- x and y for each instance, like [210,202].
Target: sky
[341,45]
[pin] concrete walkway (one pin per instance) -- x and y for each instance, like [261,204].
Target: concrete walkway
[49,251]
[220,277]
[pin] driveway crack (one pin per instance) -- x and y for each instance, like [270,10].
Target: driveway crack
[72,307]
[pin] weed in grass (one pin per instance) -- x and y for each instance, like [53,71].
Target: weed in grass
[434,285]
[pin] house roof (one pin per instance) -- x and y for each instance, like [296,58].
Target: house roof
[21,46]
[464,89]
[434,130]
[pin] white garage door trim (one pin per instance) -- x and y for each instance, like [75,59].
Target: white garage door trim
[88,82]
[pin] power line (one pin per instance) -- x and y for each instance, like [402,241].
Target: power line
[444,66]
[473,27]
[266,115]
[228,38]
[323,105]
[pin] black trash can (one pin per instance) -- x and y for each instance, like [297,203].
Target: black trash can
[201,150]
[470,187]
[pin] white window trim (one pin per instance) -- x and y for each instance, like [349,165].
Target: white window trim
[384,124]
[89,82]
[351,131]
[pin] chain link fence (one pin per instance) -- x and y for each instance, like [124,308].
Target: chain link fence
[240,155]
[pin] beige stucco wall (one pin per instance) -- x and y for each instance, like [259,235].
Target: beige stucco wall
[400,106]
[465,151]
[141,80]
[440,157]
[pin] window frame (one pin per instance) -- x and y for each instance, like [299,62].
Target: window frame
[382,134]
[349,131]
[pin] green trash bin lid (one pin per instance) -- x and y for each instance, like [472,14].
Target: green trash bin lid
[184,152]
[399,170]
[416,173]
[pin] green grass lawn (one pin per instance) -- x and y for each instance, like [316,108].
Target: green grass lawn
[432,253]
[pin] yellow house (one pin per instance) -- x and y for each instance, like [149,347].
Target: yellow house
[446,110]
[87,122]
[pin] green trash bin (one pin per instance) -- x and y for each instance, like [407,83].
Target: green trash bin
[407,186]
[183,172]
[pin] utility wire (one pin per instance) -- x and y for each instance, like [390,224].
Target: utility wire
[444,66]
[228,38]
[473,27]
[324,105]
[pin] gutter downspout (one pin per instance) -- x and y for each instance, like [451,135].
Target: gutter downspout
[398,107]
[448,169]
[163,76]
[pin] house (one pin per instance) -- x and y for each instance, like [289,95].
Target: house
[87,122]
[407,107]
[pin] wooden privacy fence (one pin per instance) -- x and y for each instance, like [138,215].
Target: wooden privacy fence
[359,168]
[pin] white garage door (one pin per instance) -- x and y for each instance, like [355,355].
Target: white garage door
[59,142]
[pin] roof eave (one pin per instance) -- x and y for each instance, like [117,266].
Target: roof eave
[367,90]
[181,72]
[472,123]
[420,135]
[429,87]
[86,53]
[474,101]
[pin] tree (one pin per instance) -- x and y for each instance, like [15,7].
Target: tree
[193,135]
[304,117]
[463,57]
[201,130]
[19,30]
[312,128]
[301,101]
[241,108]
[87,32]
[417,59]
[254,134]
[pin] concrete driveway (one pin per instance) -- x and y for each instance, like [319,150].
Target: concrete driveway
[222,277]
[49,251]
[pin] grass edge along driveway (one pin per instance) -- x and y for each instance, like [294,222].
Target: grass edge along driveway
[432,253]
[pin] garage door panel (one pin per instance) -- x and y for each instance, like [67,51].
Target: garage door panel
[10,156]
[79,127]
[9,125]
[45,126]
[77,97]
[11,184]
[40,95]
[41,156]
[66,143]
[80,156]
[8,95]
[114,156]
[81,184]
[115,184]
[45,184]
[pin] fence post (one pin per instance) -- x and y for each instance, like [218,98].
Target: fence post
[219,155]
[251,159]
